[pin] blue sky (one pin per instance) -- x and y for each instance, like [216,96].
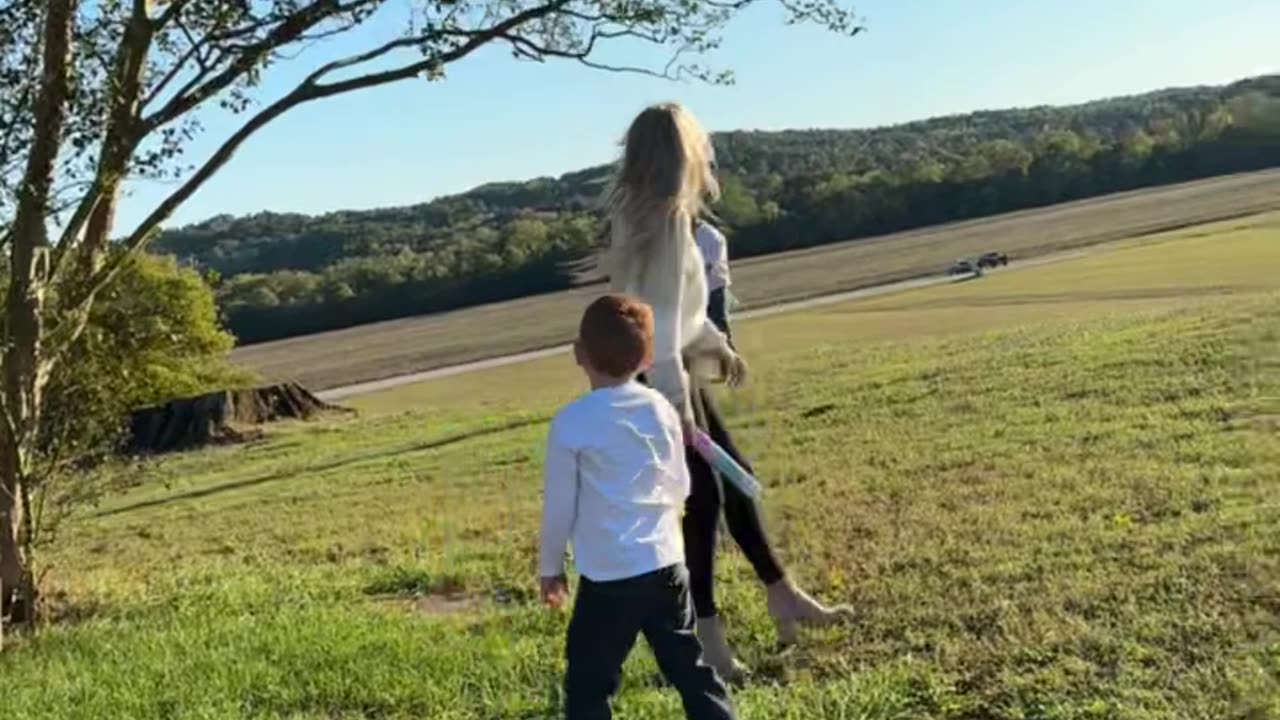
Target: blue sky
[494,118]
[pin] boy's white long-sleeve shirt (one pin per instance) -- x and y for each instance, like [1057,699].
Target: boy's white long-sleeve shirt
[615,485]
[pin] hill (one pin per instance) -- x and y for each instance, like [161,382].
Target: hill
[287,274]
[376,351]
[1049,495]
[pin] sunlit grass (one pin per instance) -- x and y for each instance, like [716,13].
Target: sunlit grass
[1050,494]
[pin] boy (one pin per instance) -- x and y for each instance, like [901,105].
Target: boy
[616,485]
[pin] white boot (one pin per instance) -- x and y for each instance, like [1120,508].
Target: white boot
[791,607]
[716,651]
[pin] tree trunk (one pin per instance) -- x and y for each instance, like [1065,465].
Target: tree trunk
[23,381]
[121,139]
[24,372]
[17,589]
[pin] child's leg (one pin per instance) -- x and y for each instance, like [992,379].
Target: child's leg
[669,629]
[606,619]
[718,310]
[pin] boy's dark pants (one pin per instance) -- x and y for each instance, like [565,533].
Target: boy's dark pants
[607,617]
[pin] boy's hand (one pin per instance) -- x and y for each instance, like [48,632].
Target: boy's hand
[554,591]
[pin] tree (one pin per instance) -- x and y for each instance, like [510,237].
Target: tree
[95,92]
[973,167]
[153,336]
[780,190]
[1256,110]
[524,238]
[1006,157]
[1136,148]
[737,206]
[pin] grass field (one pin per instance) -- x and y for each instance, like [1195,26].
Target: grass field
[394,348]
[1050,494]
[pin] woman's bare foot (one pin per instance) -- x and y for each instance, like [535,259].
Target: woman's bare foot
[716,651]
[790,607]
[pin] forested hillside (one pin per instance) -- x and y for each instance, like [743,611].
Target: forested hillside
[289,274]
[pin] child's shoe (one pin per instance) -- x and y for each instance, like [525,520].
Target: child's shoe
[716,651]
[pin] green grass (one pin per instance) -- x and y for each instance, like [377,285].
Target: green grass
[403,346]
[1050,494]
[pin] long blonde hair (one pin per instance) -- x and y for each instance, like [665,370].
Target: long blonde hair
[663,181]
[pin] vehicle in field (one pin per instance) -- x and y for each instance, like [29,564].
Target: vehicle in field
[964,266]
[993,259]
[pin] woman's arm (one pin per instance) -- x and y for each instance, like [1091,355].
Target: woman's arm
[711,355]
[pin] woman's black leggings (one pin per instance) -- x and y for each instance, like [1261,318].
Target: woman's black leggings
[707,498]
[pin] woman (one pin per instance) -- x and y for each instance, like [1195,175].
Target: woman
[662,183]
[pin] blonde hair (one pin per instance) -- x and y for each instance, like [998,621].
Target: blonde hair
[662,183]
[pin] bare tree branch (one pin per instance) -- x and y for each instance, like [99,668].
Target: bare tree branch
[170,14]
[84,208]
[585,17]
[209,62]
[354,60]
[537,52]
[223,47]
[121,138]
[288,30]
[173,73]
[11,132]
[478,39]
[308,90]
[207,68]
[309,40]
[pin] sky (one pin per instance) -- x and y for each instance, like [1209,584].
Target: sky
[495,118]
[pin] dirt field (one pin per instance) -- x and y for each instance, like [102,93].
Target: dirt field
[387,349]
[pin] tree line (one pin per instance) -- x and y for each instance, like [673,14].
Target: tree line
[279,275]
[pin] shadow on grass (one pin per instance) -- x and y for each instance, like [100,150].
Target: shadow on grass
[336,464]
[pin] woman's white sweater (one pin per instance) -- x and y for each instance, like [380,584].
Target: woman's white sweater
[663,267]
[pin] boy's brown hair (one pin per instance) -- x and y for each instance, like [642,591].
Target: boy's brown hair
[616,335]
